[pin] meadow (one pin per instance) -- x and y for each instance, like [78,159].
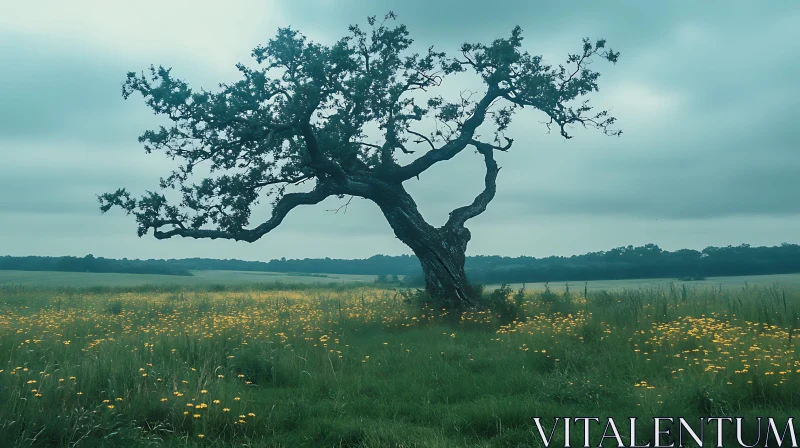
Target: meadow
[256,279]
[352,364]
[55,279]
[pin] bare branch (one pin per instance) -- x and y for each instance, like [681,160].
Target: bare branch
[488,147]
[460,215]
[341,207]
[424,138]
[370,145]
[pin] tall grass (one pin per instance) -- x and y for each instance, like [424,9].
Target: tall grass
[360,366]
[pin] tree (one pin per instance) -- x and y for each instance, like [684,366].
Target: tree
[338,117]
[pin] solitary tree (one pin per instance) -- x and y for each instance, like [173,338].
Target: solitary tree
[335,117]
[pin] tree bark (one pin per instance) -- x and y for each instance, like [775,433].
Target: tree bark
[441,251]
[443,267]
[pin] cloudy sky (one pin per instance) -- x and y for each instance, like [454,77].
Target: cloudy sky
[706,93]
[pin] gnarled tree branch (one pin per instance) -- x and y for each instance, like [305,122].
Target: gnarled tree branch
[286,204]
[459,216]
[319,161]
[453,147]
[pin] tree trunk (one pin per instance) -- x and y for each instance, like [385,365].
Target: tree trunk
[441,251]
[443,267]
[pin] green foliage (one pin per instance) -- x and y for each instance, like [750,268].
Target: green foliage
[89,263]
[504,303]
[648,261]
[418,298]
[255,365]
[309,113]
[385,279]
[557,303]
[115,307]
[710,400]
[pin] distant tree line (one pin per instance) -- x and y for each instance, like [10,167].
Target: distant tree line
[90,263]
[648,261]
[374,265]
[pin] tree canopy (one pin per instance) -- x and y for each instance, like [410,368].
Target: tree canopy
[336,117]
[304,115]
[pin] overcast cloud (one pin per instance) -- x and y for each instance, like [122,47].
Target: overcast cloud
[706,93]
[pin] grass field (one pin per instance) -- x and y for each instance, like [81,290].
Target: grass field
[200,278]
[353,365]
[244,278]
[784,280]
